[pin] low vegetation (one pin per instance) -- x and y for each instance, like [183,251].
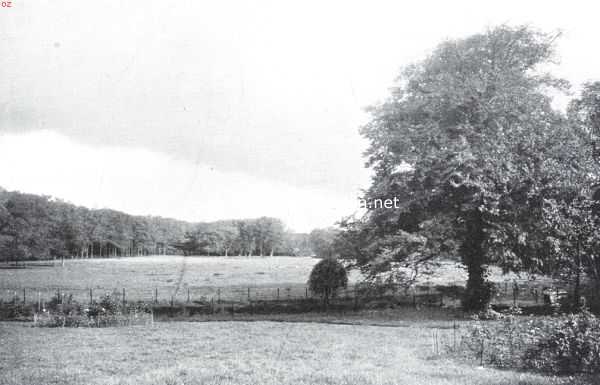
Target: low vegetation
[224,353]
[560,344]
[108,311]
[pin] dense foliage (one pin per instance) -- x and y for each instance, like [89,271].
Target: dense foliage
[261,236]
[567,344]
[323,242]
[40,227]
[471,146]
[326,277]
[109,311]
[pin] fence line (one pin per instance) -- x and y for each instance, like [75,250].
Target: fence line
[507,294]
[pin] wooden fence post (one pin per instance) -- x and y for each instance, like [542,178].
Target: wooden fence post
[219,295]
[156,295]
[454,335]
[24,297]
[91,296]
[123,296]
[188,295]
[482,348]
[278,294]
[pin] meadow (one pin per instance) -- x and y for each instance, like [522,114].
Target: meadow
[261,352]
[170,276]
[391,346]
[174,277]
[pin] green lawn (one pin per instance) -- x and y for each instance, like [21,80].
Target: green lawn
[261,352]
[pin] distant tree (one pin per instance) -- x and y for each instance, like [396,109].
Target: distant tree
[190,244]
[229,233]
[276,234]
[34,226]
[141,235]
[27,231]
[326,277]
[322,241]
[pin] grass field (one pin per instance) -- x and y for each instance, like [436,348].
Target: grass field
[262,352]
[174,276]
[155,271]
[170,275]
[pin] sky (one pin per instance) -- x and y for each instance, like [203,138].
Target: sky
[204,110]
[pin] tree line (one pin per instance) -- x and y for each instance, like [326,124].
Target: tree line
[250,237]
[486,170]
[40,227]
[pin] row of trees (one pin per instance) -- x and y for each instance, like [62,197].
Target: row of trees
[258,237]
[485,169]
[40,227]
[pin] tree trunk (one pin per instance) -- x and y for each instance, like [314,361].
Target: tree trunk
[478,293]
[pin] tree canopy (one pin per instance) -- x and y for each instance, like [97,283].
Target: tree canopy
[470,144]
[40,227]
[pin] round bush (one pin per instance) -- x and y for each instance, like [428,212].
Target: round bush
[326,277]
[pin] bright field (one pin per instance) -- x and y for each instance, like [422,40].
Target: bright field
[171,275]
[204,278]
[262,353]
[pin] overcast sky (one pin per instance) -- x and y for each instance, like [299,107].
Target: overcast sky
[206,110]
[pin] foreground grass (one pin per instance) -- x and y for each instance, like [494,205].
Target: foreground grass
[258,352]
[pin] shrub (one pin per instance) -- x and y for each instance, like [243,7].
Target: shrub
[110,311]
[571,346]
[326,277]
[568,344]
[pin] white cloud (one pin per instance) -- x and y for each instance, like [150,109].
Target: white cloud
[140,181]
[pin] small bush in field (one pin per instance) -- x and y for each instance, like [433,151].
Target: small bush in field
[109,311]
[326,277]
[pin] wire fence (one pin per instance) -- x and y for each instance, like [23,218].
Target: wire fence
[507,293]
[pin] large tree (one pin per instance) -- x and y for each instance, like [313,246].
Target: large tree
[572,215]
[469,143]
